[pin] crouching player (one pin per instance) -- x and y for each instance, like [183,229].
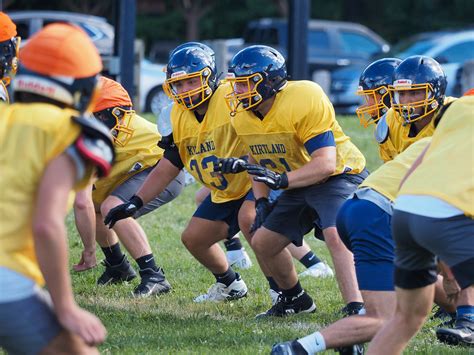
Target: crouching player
[47,149]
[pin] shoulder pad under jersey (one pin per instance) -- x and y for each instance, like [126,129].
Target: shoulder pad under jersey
[381,130]
[95,144]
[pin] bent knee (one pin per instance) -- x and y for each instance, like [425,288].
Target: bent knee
[67,343]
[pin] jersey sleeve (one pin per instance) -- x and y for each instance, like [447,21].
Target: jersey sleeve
[316,122]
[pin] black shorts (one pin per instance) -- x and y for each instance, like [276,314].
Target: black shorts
[419,240]
[298,211]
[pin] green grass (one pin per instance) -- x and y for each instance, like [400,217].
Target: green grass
[173,324]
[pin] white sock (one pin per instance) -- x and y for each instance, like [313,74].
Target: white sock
[313,343]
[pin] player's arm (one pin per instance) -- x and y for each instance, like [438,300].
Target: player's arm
[84,215]
[49,234]
[259,189]
[322,149]
[321,166]
[161,176]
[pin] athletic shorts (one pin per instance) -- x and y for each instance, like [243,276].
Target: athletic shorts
[298,211]
[28,325]
[126,190]
[419,240]
[365,229]
[227,212]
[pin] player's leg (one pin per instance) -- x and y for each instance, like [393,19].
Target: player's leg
[210,224]
[269,243]
[235,252]
[133,237]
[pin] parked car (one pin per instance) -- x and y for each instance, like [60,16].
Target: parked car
[151,96]
[450,48]
[331,44]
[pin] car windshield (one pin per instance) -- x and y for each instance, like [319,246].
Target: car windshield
[413,47]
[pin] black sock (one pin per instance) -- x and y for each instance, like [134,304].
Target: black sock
[310,259]
[113,254]
[272,283]
[226,278]
[294,291]
[146,262]
[233,244]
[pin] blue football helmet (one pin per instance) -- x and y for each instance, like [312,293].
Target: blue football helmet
[256,73]
[373,86]
[189,63]
[204,47]
[423,80]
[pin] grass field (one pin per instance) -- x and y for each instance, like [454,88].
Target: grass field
[173,324]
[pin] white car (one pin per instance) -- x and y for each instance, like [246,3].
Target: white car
[450,48]
[151,96]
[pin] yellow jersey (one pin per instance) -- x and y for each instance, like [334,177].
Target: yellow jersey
[31,135]
[141,152]
[300,112]
[447,169]
[395,137]
[386,179]
[200,144]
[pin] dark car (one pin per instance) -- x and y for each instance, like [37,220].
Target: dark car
[331,44]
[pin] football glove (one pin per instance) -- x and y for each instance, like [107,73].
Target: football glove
[230,165]
[125,210]
[263,207]
[273,180]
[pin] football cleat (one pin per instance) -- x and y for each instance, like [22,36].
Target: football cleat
[462,333]
[113,274]
[352,309]
[286,306]
[357,349]
[219,292]
[288,348]
[320,269]
[153,283]
[274,295]
[239,259]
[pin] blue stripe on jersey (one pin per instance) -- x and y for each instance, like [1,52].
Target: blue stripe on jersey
[322,140]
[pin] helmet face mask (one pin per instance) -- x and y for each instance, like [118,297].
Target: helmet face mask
[373,86]
[245,92]
[118,120]
[256,73]
[412,102]
[9,51]
[375,105]
[190,77]
[418,88]
[194,97]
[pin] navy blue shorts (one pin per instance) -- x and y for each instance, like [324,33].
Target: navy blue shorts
[226,211]
[298,211]
[365,229]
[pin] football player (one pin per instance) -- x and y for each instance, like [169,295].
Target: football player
[235,252]
[49,146]
[363,223]
[201,131]
[9,47]
[433,217]
[135,141]
[289,129]
[373,86]
[417,94]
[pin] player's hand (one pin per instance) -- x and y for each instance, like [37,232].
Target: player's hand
[263,207]
[230,165]
[125,210]
[83,324]
[88,261]
[273,180]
